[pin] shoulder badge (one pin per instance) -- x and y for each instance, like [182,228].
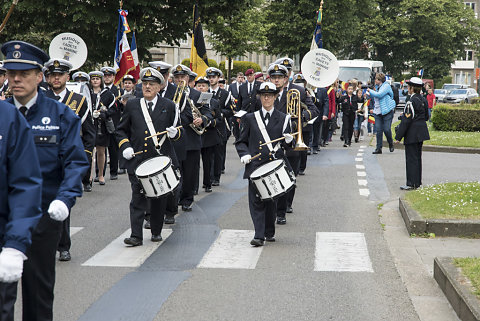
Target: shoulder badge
[73,105]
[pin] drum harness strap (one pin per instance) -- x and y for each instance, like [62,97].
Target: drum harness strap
[264,132]
[150,126]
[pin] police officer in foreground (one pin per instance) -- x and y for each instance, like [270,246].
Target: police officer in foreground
[63,163]
[57,75]
[20,200]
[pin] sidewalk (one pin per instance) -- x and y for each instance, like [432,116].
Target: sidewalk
[414,260]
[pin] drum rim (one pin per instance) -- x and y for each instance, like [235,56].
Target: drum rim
[154,173]
[282,162]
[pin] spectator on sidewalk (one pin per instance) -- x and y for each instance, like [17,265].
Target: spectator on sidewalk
[431,99]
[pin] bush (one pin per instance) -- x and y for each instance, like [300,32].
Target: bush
[211,62]
[239,66]
[456,118]
[445,80]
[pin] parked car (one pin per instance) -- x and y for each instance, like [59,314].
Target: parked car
[439,95]
[460,95]
[450,87]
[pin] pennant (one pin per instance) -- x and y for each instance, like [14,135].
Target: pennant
[198,53]
[133,48]
[123,62]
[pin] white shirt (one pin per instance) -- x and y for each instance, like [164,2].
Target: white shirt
[154,101]
[248,85]
[61,94]
[29,104]
[265,112]
[164,90]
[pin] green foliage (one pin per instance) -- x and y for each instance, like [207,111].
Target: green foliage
[453,118]
[239,66]
[445,80]
[470,267]
[211,62]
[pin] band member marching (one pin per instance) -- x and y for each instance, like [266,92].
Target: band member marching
[57,77]
[136,125]
[264,125]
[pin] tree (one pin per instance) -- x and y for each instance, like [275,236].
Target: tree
[39,21]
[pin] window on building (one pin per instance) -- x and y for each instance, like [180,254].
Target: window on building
[472,6]
[468,54]
[463,78]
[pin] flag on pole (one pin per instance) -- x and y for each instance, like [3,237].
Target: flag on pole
[317,41]
[133,48]
[123,63]
[198,53]
[420,73]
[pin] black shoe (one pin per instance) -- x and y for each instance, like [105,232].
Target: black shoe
[315,151]
[281,220]
[101,183]
[87,187]
[301,173]
[156,238]
[147,225]
[208,189]
[309,152]
[377,151]
[133,241]
[122,171]
[345,145]
[406,188]
[95,179]
[113,177]
[289,209]
[216,183]
[391,148]
[64,256]
[187,208]
[223,171]
[195,192]
[341,137]
[356,139]
[203,186]
[256,242]
[269,238]
[169,220]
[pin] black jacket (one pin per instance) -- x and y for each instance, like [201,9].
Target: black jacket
[248,101]
[413,126]
[211,136]
[321,101]
[349,104]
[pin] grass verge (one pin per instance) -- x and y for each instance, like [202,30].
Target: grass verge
[447,201]
[471,269]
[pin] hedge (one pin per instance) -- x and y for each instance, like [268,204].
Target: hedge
[211,62]
[239,66]
[456,118]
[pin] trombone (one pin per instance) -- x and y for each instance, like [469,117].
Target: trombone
[179,92]
[294,109]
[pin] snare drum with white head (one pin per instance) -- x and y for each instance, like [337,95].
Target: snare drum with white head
[272,180]
[157,176]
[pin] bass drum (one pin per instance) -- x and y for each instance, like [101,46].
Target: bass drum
[272,180]
[157,176]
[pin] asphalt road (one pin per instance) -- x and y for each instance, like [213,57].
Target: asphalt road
[286,280]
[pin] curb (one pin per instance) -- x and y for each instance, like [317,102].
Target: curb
[418,225]
[441,149]
[456,289]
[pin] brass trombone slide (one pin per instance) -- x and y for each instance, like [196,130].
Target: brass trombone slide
[277,140]
[161,133]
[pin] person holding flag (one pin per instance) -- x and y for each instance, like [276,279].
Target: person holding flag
[124,62]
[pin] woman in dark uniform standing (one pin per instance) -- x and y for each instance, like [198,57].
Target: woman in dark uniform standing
[413,129]
[102,103]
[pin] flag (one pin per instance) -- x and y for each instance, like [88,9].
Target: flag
[371,119]
[198,53]
[420,73]
[317,41]
[123,63]
[133,48]
[344,85]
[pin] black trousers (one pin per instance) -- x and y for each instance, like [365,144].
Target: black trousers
[303,154]
[207,156]
[86,178]
[38,279]
[317,132]
[139,205]
[413,159]
[348,119]
[262,213]
[218,160]
[172,198]
[190,171]
[325,128]
[113,151]
[65,240]
[286,200]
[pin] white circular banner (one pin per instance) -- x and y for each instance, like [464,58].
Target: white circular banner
[320,68]
[70,47]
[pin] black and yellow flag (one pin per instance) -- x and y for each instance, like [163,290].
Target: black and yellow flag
[198,53]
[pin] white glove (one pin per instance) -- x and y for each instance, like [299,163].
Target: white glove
[96,114]
[172,132]
[128,153]
[58,210]
[11,265]
[288,138]
[245,159]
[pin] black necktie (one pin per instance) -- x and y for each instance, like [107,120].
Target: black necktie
[250,90]
[267,118]
[57,97]
[150,105]
[23,110]
[214,93]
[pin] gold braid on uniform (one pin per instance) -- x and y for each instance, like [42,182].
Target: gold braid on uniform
[123,141]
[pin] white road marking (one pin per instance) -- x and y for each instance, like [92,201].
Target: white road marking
[360,166]
[360,154]
[119,254]
[361,150]
[361,174]
[363,146]
[75,230]
[232,250]
[359,159]
[364,191]
[362,182]
[342,252]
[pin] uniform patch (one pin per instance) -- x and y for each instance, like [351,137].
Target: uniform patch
[46,120]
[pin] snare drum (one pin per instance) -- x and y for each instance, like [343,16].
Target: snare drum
[272,180]
[157,176]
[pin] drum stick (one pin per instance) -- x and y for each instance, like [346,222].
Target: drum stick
[162,133]
[258,155]
[277,140]
[138,152]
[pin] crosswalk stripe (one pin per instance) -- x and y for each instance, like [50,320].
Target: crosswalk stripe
[359,154]
[362,182]
[359,159]
[75,230]
[360,166]
[364,191]
[341,252]
[232,250]
[361,174]
[120,255]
